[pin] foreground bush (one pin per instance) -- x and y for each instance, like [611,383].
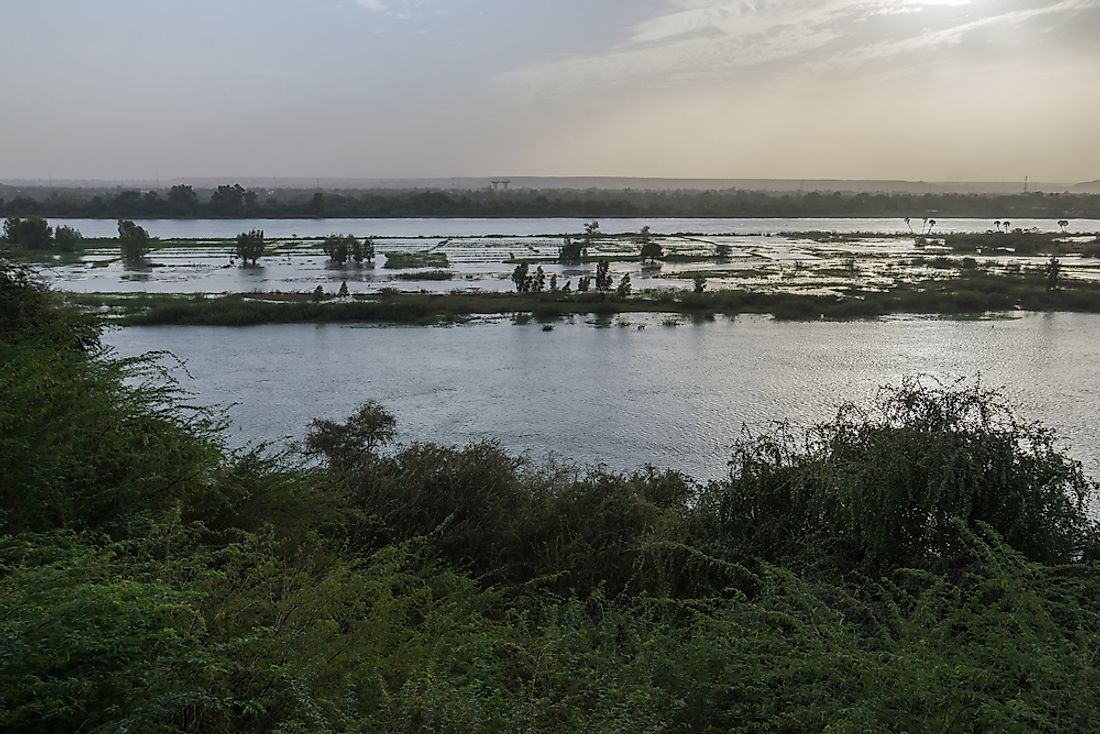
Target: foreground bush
[924,565]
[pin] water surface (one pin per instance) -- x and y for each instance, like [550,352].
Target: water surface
[671,396]
[529,226]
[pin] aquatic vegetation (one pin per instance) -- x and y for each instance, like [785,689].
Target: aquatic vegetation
[395,260]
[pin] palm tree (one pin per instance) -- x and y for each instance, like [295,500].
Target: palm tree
[909,225]
[1063,223]
[1007,224]
[997,224]
[931,224]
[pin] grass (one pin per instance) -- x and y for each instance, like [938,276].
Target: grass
[395,260]
[426,275]
[971,293]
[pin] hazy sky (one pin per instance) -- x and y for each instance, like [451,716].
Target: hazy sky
[917,89]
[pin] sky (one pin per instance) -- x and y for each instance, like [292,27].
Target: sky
[937,90]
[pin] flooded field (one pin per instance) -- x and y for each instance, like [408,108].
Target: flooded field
[196,256]
[628,391]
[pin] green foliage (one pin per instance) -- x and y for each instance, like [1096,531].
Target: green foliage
[572,251]
[34,233]
[623,289]
[417,260]
[521,278]
[67,238]
[923,565]
[603,276]
[354,443]
[338,247]
[133,241]
[698,283]
[364,250]
[1053,272]
[250,246]
[874,491]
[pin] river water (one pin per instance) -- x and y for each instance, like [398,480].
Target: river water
[619,395]
[527,227]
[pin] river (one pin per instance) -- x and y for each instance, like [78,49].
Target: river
[529,227]
[623,396]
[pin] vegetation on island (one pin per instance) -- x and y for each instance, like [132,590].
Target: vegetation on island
[234,201]
[972,292]
[926,563]
[250,246]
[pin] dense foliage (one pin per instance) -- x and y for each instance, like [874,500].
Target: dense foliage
[925,564]
[235,201]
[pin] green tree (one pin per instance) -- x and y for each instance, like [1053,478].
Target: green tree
[650,248]
[183,201]
[227,201]
[1053,272]
[538,280]
[339,247]
[364,250]
[354,442]
[699,282]
[133,241]
[34,233]
[343,292]
[623,289]
[250,246]
[583,283]
[553,282]
[521,278]
[571,251]
[318,294]
[67,238]
[603,275]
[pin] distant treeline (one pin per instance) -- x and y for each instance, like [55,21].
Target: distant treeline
[234,201]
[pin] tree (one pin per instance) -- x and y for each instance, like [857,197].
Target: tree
[1053,272]
[34,233]
[364,250]
[67,238]
[723,251]
[183,201]
[133,240]
[699,282]
[623,290]
[318,294]
[317,205]
[571,251]
[339,247]
[553,282]
[343,292]
[356,441]
[227,201]
[997,224]
[651,250]
[583,283]
[603,275]
[591,231]
[1063,223]
[538,281]
[250,246]
[520,278]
